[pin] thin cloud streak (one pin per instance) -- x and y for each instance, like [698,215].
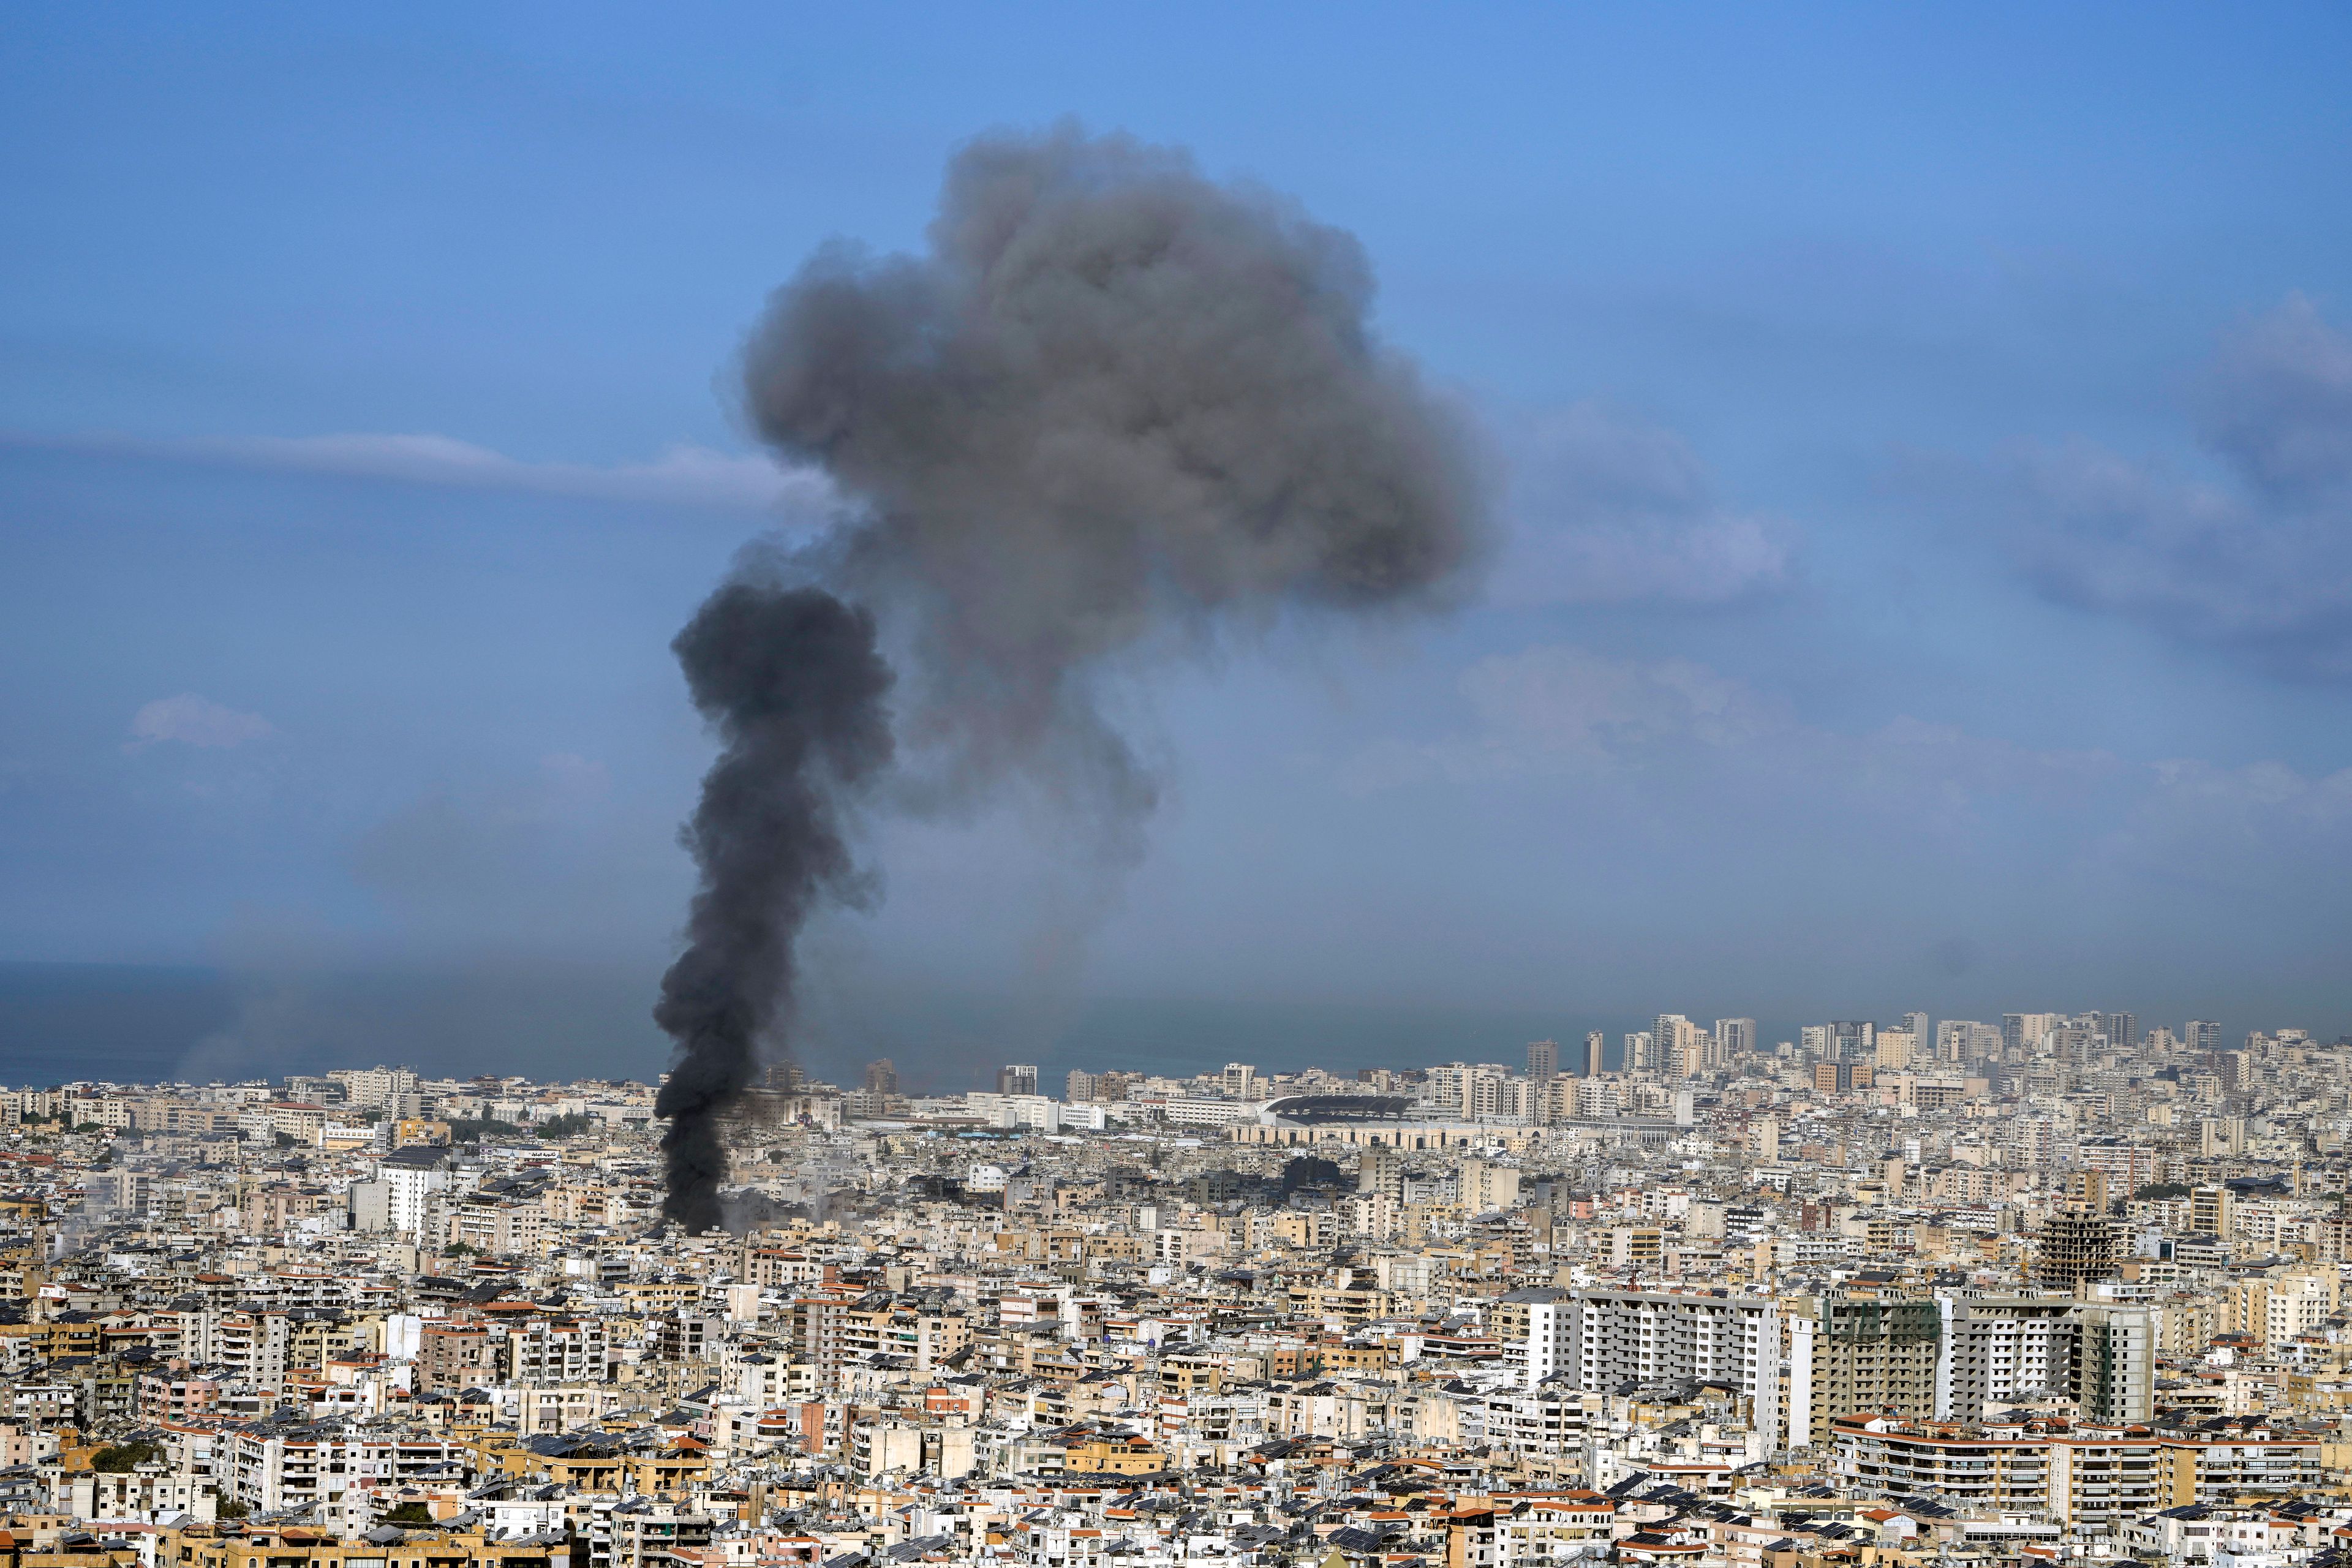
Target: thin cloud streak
[1611,509]
[1564,714]
[683,475]
[195,721]
[2265,830]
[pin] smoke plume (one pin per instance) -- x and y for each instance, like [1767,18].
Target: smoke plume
[790,679]
[1113,412]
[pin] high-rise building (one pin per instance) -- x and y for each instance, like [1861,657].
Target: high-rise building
[2112,1374]
[1598,1099]
[2279,1308]
[2078,1244]
[1080,1085]
[1895,1049]
[1491,1094]
[1532,1325]
[1017,1078]
[2021,1033]
[2122,1030]
[1241,1081]
[1966,1040]
[1639,1055]
[371,1088]
[1917,1023]
[1734,1038]
[2210,1211]
[1482,1186]
[1543,1059]
[1596,1044]
[881,1077]
[1853,1040]
[2203,1034]
[409,1178]
[1840,1078]
[1606,1338]
[1860,1353]
[1681,1047]
[2073,1040]
[2221,1136]
[2000,1349]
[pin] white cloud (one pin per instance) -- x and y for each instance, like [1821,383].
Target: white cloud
[1607,510]
[683,475]
[571,777]
[1556,707]
[2260,564]
[2265,829]
[1555,710]
[2277,404]
[195,721]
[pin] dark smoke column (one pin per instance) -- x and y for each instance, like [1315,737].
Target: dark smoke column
[792,681]
[1115,413]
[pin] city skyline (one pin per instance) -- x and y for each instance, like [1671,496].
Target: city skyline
[194,1025]
[943,1061]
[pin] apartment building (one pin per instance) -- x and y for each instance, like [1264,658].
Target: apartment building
[1859,1353]
[1612,1337]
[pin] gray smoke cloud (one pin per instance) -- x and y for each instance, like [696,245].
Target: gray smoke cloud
[1114,411]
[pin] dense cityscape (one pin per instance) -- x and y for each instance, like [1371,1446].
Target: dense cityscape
[2053,1287]
[797,787]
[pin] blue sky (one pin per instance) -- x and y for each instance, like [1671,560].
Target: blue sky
[1924,440]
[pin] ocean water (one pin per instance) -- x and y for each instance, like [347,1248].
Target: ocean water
[134,1024]
[59,1022]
